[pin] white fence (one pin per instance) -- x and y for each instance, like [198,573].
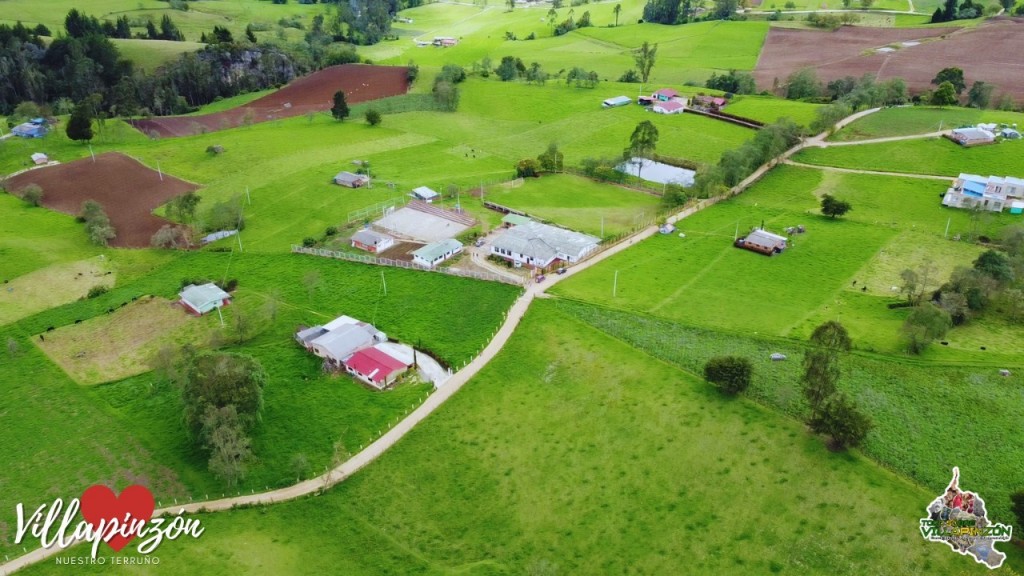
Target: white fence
[368,259]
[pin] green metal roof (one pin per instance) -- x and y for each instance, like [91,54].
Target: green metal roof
[433,251]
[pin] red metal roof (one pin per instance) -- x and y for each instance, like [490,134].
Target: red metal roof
[375,364]
[667,92]
[671,105]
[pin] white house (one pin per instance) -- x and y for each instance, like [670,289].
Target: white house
[425,194]
[201,299]
[993,193]
[676,106]
[339,339]
[433,254]
[539,245]
[372,241]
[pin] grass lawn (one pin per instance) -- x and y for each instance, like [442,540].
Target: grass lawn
[578,203]
[938,156]
[810,282]
[920,120]
[768,109]
[52,286]
[574,452]
[121,344]
[905,399]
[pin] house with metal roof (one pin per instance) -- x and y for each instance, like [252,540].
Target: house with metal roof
[372,241]
[972,136]
[375,366]
[511,220]
[992,194]
[339,339]
[616,102]
[539,245]
[201,299]
[426,194]
[436,252]
[675,106]
[763,242]
[351,180]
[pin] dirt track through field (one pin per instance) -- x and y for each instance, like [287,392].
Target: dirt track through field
[990,52]
[127,190]
[313,93]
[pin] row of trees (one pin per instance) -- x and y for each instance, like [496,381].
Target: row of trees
[830,411]
[79,25]
[738,163]
[683,11]
[97,223]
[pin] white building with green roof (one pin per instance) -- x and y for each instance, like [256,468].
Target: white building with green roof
[436,252]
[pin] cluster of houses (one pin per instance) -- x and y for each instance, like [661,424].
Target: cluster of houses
[763,242]
[356,347]
[439,41]
[993,194]
[669,101]
[526,242]
[983,134]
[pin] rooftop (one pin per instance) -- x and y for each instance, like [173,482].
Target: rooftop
[543,241]
[204,294]
[435,250]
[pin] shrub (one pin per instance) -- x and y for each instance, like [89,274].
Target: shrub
[731,374]
[97,291]
[32,195]
[527,168]
[331,231]
[309,241]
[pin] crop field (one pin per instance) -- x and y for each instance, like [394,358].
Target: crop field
[579,203]
[811,281]
[920,120]
[768,110]
[629,464]
[938,156]
[52,286]
[121,344]
[906,400]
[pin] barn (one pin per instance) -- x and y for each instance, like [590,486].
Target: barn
[762,242]
[351,180]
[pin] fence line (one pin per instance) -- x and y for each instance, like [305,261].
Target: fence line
[368,259]
[376,208]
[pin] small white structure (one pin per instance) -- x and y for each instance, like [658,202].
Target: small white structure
[539,245]
[616,102]
[372,241]
[199,300]
[426,194]
[40,158]
[1009,134]
[433,254]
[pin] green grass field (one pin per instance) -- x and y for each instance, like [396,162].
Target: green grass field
[920,120]
[789,294]
[151,54]
[579,203]
[629,464]
[938,156]
[768,110]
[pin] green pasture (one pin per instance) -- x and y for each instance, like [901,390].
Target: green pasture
[151,54]
[199,18]
[578,203]
[890,122]
[908,401]
[937,156]
[696,279]
[306,412]
[15,153]
[575,453]
[768,109]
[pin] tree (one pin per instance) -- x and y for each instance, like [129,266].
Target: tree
[832,206]
[645,57]
[996,265]
[821,364]
[618,9]
[169,236]
[826,117]
[218,380]
[803,84]
[511,4]
[735,82]
[843,422]
[229,447]
[980,94]
[954,76]
[944,95]
[724,9]
[32,195]
[80,124]
[552,159]
[373,117]
[925,324]
[340,108]
[630,76]
[732,374]
[642,143]
[446,94]
[527,168]
[508,69]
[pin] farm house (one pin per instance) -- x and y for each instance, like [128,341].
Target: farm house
[993,193]
[375,367]
[670,107]
[372,241]
[616,102]
[762,242]
[972,136]
[539,245]
[199,300]
[710,102]
[339,339]
[351,180]
[434,253]
[665,95]
[426,194]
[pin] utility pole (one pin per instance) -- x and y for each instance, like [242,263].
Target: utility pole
[158,170]
[615,284]
[247,197]
[946,233]
[602,225]
[94,156]
[221,314]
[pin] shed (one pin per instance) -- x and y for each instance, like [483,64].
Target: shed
[511,220]
[436,252]
[616,102]
[351,180]
[972,136]
[1009,134]
[424,193]
[762,241]
[40,158]
[1017,207]
[205,298]
[372,241]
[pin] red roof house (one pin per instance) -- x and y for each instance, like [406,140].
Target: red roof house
[375,367]
[670,107]
[665,94]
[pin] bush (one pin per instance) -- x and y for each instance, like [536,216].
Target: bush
[97,291]
[845,424]
[32,195]
[731,374]
[373,117]
[309,241]
[528,168]
[331,231]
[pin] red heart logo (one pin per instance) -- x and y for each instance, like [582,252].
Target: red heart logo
[101,507]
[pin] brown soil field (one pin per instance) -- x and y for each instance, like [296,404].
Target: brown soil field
[127,190]
[991,52]
[313,93]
